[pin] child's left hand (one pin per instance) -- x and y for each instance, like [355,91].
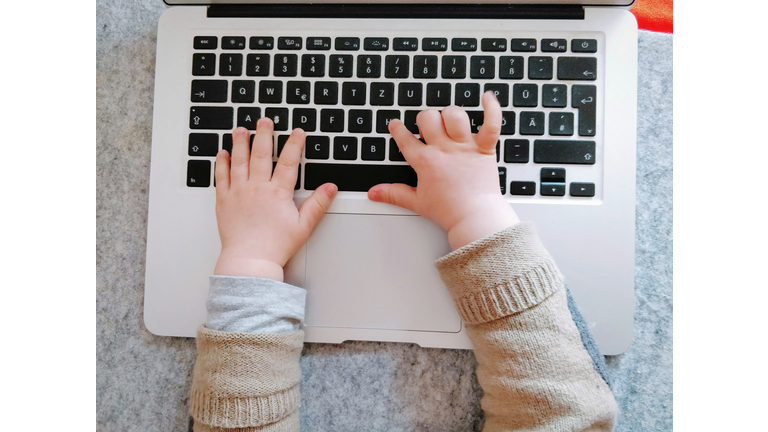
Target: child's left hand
[259,225]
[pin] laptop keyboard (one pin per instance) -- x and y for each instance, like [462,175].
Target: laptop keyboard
[344,90]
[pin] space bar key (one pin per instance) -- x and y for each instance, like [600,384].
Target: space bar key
[356,178]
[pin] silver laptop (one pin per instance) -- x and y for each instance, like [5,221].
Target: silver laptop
[564,72]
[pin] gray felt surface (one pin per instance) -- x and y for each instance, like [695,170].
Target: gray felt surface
[143,380]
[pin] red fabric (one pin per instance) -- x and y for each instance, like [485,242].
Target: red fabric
[653,15]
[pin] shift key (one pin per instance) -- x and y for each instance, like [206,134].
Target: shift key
[564,152]
[211,117]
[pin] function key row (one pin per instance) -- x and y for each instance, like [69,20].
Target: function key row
[398,44]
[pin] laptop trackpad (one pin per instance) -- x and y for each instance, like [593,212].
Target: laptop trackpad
[377,272]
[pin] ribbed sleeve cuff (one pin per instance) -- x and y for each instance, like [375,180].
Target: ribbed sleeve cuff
[288,424]
[500,275]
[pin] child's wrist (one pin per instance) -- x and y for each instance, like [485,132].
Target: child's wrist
[480,224]
[247,267]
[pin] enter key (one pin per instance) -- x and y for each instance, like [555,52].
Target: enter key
[584,97]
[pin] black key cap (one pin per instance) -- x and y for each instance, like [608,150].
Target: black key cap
[577,68]
[511,67]
[503,180]
[289,43]
[397,66]
[286,65]
[353,93]
[516,151]
[305,118]
[248,116]
[584,45]
[554,95]
[493,45]
[409,94]
[206,42]
[507,123]
[553,189]
[281,140]
[464,44]
[522,188]
[525,95]
[356,178]
[233,42]
[554,45]
[257,65]
[382,120]
[199,173]
[582,189]
[382,94]
[467,94]
[531,123]
[438,94]
[373,148]
[394,152]
[313,65]
[347,43]
[317,147]
[405,44]
[564,152]
[501,91]
[360,121]
[561,123]
[297,92]
[523,45]
[209,91]
[552,175]
[204,64]
[318,43]
[270,92]
[376,44]
[332,120]
[434,44]
[341,66]
[326,92]
[454,67]
[584,97]
[211,117]
[425,66]
[409,120]
[203,144]
[279,117]
[261,42]
[540,68]
[345,148]
[368,66]
[475,120]
[243,91]
[231,64]
[226,144]
[482,67]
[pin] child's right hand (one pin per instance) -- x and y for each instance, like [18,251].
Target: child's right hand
[458,186]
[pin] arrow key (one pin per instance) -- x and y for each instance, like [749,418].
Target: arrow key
[522,188]
[552,189]
[582,189]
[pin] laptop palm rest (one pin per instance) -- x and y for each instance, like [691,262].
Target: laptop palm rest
[377,272]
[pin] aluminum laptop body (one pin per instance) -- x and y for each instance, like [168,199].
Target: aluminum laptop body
[368,268]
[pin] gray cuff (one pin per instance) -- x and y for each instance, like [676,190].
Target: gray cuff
[254,305]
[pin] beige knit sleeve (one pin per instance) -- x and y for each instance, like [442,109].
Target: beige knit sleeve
[535,373]
[246,382]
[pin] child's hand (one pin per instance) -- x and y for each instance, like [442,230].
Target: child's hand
[259,224]
[458,185]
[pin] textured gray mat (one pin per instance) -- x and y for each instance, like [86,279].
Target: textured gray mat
[143,380]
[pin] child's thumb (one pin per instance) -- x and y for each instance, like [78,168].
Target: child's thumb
[397,194]
[313,209]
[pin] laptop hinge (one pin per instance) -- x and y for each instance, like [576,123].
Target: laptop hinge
[433,11]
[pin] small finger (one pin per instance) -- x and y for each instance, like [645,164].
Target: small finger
[313,208]
[408,144]
[457,124]
[287,168]
[397,194]
[431,126]
[240,155]
[221,172]
[261,153]
[488,134]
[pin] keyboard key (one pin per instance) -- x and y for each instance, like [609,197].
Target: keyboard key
[289,43]
[360,121]
[531,123]
[345,148]
[584,45]
[199,173]
[409,94]
[382,120]
[584,97]
[577,68]
[231,64]
[507,123]
[560,123]
[347,43]
[341,66]
[305,118]
[454,67]
[206,42]
[553,175]
[286,65]
[257,65]
[409,120]
[376,44]
[209,91]
[356,178]
[203,64]
[467,94]
[516,150]
[318,43]
[552,189]
[271,92]
[554,45]
[425,66]
[313,65]
[203,144]
[261,43]
[211,117]
[493,45]
[464,44]
[281,140]
[554,95]
[523,45]
[332,120]
[511,67]
[317,147]
[226,144]
[482,67]
[368,66]
[540,68]
[500,90]
[394,152]
[434,44]
[326,92]
[243,91]
[525,95]
[564,152]
[233,42]
[353,93]
[397,66]
[439,94]
[373,148]
[279,117]
[522,188]
[248,116]
[382,94]
[582,189]
[297,92]
[405,44]
[503,180]
[475,120]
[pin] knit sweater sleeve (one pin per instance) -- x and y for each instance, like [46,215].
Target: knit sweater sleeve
[535,373]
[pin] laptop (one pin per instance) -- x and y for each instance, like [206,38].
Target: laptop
[565,73]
